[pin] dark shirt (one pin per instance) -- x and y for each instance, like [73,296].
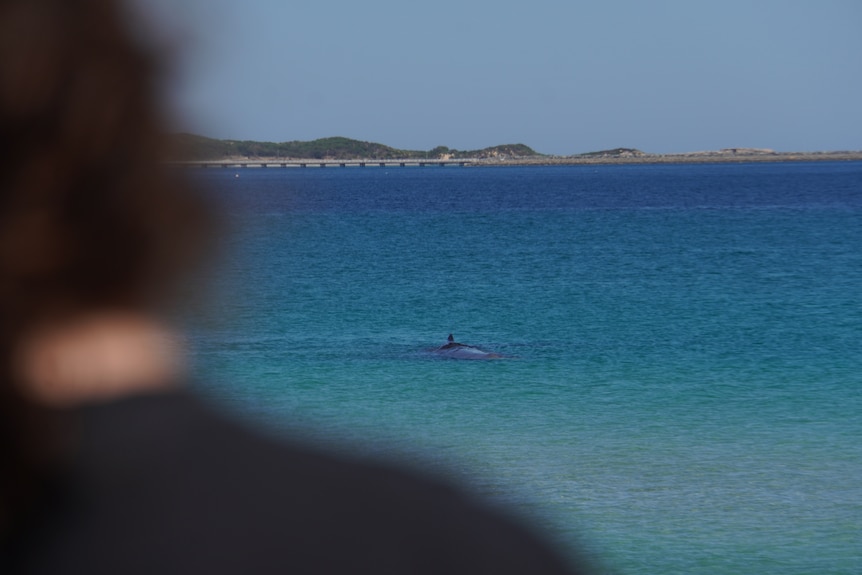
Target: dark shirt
[161,484]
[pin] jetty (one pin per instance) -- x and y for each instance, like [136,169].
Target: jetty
[275,163]
[732,155]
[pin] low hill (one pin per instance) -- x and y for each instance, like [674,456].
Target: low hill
[615,153]
[190,147]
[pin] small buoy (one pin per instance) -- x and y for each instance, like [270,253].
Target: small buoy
[236,175]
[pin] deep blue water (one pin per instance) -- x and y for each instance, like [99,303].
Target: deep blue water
[683,386]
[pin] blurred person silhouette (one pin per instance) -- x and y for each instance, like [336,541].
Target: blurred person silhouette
[107,465]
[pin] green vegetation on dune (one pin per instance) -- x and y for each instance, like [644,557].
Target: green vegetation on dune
[190,147]
[615,153]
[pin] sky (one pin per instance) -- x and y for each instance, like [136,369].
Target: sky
[561,76]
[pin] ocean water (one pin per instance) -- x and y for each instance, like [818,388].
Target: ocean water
[682,386]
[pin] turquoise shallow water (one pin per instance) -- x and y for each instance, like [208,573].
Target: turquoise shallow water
[683,385]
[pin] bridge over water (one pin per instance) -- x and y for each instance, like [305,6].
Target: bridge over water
[271,163]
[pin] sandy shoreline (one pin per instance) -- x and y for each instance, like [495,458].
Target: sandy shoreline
[688,158]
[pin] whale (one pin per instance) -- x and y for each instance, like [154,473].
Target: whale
[453,349]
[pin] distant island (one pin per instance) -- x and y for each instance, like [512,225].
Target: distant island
[191,148]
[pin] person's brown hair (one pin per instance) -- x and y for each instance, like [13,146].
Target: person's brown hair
[90,217]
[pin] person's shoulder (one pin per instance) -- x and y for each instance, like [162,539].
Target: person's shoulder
[198,467]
